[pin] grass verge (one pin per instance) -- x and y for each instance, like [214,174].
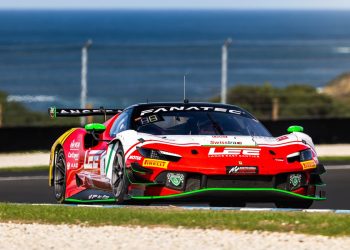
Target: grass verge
[25,169]
[309,223]
[336,160]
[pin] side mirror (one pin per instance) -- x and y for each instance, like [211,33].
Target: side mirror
[95,127]
[295,128]
[94,130]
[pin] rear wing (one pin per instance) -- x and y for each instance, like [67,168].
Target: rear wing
[55,112]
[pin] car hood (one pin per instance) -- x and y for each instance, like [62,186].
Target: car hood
[220,140]
[213,152]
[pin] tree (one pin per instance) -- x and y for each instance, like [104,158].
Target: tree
[295,101]
[16,114]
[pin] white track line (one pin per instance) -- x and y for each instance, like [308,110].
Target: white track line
[23,178]
[338,167]
[243,209]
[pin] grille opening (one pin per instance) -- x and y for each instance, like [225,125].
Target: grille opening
[223,181]
[193,183]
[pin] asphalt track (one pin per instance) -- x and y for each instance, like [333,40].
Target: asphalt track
[32,187]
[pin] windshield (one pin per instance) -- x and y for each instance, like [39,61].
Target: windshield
[199,123]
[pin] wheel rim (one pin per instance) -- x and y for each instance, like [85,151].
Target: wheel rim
[118,175]
[60,167]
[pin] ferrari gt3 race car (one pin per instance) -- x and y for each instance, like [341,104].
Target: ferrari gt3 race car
[205,152]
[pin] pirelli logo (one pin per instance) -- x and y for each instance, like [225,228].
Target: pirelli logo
[155,163]
[308,164]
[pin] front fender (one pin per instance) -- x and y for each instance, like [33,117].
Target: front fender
[304,137]
[59,142]
[111,151]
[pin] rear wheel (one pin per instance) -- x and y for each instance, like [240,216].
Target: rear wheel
[304,204]
[60,176]
[120,181]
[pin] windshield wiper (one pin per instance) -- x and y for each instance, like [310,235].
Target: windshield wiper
[216,125]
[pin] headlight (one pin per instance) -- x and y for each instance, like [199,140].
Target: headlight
[301,156]
[158,154]
[306,155]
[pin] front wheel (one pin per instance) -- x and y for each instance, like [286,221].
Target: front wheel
[304,204]
[60,176]
[120,181]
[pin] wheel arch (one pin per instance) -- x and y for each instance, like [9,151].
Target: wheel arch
[52,162]
[55,147]
[117,140]
[111,151]
[116,149]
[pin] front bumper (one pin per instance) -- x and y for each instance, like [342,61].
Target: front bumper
[264,188]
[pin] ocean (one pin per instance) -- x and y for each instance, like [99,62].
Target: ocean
[140,56]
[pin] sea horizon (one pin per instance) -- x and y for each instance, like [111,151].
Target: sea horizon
[140,55]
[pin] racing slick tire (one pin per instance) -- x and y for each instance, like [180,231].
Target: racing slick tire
[59,181]
[304,204]
[120,182]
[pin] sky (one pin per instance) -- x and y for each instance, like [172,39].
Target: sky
[175,4]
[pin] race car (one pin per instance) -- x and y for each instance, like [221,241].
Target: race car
[198,152]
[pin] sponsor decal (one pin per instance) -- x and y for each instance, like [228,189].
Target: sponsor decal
[241,170]
[225,142]
[176,179]
[57,112]
[234,152]
[308,164]
[73,155]
[135,157]
[155,163]
[190,108]
[74,145]
[149,119]
[294,180]
[282,138]
[73,165]
[94,159]
[232,170]
[52,112]
[98,197]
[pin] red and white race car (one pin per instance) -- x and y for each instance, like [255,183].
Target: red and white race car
[204,152]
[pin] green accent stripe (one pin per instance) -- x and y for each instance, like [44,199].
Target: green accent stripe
[229,189]
[136,171]
[139,183]
[109,157]
[202,191]
[89,201]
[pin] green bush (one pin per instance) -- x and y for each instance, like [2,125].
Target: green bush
[16,114]
[295,101]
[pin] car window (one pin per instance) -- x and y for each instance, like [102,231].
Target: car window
[199,123]
[120,124]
